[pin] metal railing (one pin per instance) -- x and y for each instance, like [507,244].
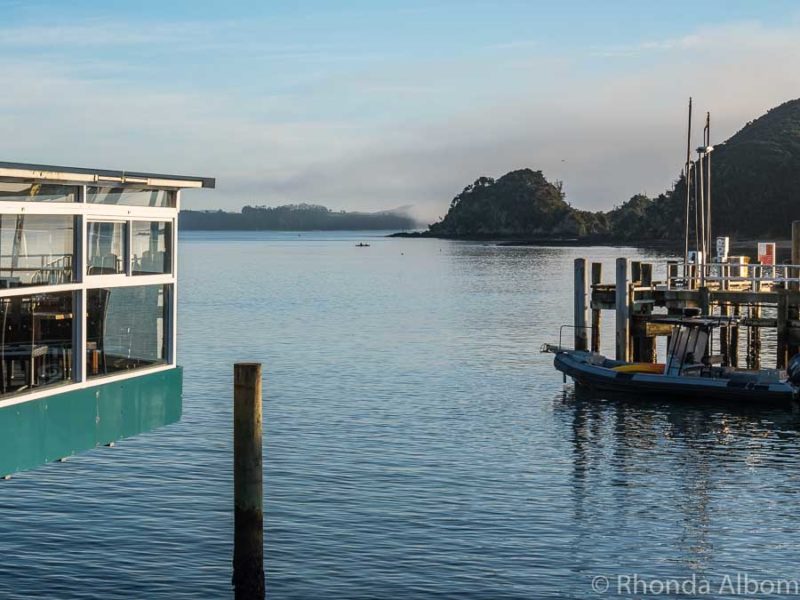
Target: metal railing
[731,276]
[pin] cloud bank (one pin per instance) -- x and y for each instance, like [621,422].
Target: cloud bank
[367,131]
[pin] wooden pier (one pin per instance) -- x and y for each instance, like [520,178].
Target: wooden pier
[746,293]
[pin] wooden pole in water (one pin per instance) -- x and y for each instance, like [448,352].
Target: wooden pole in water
[783,329]
[623,310]
[754,340]
[733,340]
[581,307]
[248,543]
[597,274]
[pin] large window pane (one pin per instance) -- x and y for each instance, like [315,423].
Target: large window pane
[36,249]
[129,196]
[150,251]
[125,328]
[35,342]
[106,248]
[37,192]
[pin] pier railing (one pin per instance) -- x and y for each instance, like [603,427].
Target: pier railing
[731,276]
[639,295]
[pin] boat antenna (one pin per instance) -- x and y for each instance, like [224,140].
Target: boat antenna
[688,191]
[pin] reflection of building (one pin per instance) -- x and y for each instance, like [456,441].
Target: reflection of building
[87,308]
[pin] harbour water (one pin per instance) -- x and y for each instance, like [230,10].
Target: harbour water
[417,445]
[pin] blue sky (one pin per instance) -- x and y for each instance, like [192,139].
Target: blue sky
[370,105]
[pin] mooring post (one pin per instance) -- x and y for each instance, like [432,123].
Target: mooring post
[622,298]
[754,339]
[783,329]
[597,274]
[726,333]
[248,542]
[733,338]
[581,307]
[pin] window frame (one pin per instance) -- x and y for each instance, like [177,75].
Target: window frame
[85,212]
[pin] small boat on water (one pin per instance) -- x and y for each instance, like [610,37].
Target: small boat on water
[362,245]
[689,372]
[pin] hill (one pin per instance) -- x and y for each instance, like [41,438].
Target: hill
[295,217]
[755,183]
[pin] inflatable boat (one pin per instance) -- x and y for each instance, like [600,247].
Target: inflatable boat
[689,372]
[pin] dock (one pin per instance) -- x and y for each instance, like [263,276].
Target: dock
[748,299]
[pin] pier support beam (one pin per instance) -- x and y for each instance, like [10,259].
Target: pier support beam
[725,335]
[597,275]
[733,340]
[783,330]
[754,340]
[248,497]
[622,302]
[581,306]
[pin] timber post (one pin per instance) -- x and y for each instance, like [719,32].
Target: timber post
[581,306]
[622,303]
[248,497]
[783,329]
[597,274]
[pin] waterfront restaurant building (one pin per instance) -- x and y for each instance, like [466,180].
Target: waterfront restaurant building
[88,297]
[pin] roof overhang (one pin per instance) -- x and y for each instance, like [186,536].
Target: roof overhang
[80,176]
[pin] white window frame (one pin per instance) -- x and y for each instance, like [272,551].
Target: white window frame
[83,282]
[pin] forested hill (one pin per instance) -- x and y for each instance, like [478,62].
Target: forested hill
[755,193]
[296,217]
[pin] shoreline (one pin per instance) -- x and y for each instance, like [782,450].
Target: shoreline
[745,246]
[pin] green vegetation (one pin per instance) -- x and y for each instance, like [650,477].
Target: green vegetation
[295,217]
[755,192]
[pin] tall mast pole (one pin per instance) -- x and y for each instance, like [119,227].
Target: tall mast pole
[688,191]
[708,169]
[702,207]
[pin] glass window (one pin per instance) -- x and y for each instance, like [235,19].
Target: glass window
[150,247]
[129,196]
[106,248]
[35,342]
[36,249]
[125,328]
[38,192]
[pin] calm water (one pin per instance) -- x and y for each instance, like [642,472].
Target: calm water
[417,444]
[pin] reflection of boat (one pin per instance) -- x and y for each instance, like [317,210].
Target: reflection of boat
[362,245]
[689,372]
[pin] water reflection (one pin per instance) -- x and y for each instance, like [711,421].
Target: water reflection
[671,469]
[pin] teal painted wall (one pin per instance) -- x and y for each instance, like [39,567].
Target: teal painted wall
[39,431]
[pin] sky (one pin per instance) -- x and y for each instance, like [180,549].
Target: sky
[371,105]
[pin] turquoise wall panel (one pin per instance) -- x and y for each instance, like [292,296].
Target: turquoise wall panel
[39,431]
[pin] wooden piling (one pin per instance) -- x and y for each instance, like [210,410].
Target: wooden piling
[724,335]
[580,305]
[597,275]
[754,340]
[733,339]
[783,330]
[248,545]
[622,303]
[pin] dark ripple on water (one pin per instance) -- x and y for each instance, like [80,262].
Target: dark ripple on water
[417,445]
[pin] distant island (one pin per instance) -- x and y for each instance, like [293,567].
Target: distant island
[755,183]
[296,217]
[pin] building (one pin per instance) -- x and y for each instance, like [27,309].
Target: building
[88,299]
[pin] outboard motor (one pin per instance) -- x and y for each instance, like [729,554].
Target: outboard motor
[793,370]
